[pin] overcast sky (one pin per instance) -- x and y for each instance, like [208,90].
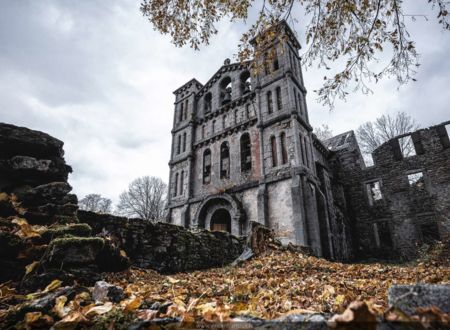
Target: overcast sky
[95,75]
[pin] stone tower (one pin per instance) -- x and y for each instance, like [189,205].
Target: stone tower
[243,150]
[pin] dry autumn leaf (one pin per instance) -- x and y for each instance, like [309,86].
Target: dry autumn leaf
[29,268]
[131,304]
[55,284]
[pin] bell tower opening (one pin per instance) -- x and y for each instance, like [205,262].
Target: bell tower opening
[221,221]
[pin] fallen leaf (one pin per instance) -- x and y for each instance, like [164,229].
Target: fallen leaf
[172,280]
[38,320]
[131,304]
[29,268]
[147,314]
[59,306]
[357,312]
[53,286]
[99,310]
[71,321]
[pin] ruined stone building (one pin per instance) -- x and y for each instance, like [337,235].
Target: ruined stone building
[243,150]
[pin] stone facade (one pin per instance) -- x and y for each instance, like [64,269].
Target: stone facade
[243,150]
[403,200]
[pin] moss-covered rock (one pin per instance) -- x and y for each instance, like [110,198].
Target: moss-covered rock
[70,230]
[73,251]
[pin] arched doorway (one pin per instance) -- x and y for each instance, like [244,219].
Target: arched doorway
[221,221]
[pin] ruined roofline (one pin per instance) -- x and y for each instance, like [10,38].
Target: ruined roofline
[444,123]
[193,80]
[331,142]
[223,68]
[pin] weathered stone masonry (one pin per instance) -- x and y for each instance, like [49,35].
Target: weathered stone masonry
[403,200]
[243,150]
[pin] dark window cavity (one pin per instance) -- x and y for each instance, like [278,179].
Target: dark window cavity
[207,166]
[224,161]
[246,154]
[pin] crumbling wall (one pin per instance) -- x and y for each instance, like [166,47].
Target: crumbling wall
[394,215]
[39,227]
[165,247]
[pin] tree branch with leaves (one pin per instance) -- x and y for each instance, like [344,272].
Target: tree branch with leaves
[355,32]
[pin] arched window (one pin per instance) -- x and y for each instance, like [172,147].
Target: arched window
[284,155]
[225,90]
[247,110]
[246,84]
[269,102]
[203,131]
[213,126]
[175,190]
[279,100]
[224,121]
[184,141]
[300,103]
[273,150]
[276,65]
[186,109]
[207,166]
[181,182]
[235,117]
[266,64]
[179,144]
[207,103]
[180,117]
[246,153]
[224,161]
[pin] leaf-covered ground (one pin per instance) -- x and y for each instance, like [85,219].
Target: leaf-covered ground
[277,283]
[274,284]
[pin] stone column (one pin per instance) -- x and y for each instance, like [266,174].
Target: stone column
[300,229]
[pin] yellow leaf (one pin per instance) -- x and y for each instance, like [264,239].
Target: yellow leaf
[55,284]
[99,310]
[123,253]
[172,280]
[38,320]
[339,300]
[59,306]
[29,268]
[132,304]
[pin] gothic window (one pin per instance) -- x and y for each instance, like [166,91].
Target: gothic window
[235,116]
[305,146]
[246,84]
[207,102]
[246,153]
[284,155]
[175,190]
[179,144]
[247,111]
[374,192]
[186,109]
[302,149]
[213,126]
[266,64]
[181,182]
[224,161]
[273,147]
[295,65]
[225,90]
[207,166]
[279,100]
[269,102]
[224,121]
[300,103]
[180,118]
[276,65]
[203,131]
[184,141]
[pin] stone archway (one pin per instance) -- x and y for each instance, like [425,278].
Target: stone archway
[226,203]
[221,220]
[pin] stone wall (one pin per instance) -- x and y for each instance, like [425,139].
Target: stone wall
[38,215]
[403,215]
[164,247]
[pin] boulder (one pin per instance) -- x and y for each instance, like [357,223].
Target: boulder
[15,140]
[103,291]
[409,297]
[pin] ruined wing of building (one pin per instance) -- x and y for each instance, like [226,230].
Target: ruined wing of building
[243,150]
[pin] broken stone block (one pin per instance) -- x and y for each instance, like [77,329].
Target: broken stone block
[104,291]
[410,297]
[73,251]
